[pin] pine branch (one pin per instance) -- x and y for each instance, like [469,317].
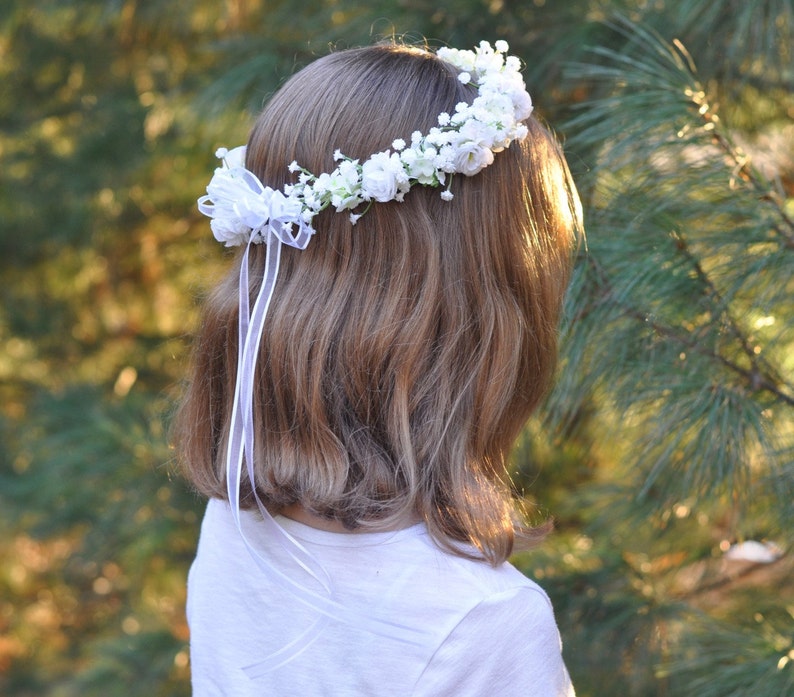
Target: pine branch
[741,163]
[761,373]
[755,377]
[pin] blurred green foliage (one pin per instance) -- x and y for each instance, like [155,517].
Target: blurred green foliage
[668,438]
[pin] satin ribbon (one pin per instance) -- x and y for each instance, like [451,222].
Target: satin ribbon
[279,231]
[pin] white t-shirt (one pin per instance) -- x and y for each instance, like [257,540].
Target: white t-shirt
[487,631]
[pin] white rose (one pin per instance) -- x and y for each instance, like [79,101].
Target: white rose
[471,157]
[237,203]
[230,231]
[480,132]
[223,193]
[382,176]
[522,105]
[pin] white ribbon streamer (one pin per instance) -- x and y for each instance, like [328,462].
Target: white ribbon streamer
[278,230]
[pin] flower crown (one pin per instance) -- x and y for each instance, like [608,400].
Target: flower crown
[244,210]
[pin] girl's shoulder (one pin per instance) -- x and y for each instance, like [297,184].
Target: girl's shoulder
[507,644]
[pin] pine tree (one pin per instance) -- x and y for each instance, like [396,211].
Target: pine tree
[677,369]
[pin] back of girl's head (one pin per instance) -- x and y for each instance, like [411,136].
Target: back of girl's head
[401,356]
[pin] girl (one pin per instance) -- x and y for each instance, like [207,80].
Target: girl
[350,422]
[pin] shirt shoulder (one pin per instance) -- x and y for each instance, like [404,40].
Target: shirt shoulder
[508,644]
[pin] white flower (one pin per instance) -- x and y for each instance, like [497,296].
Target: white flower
[421,165]
[465,78]
[231,232]
[310,201]
[294,166]
[473,136]
[445,161]
[382,176]
[436,137]
[522,105]
[398,144]
[447,195]
[237,203]
[520,132]
[348,171]
[495,109]
[471,157]
[463,60]
[320,185]
[502,46]
[486,61]
[234,157]
[340,188]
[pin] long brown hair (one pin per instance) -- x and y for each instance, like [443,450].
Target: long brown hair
[402,356]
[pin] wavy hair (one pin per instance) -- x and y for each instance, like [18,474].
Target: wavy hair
[401,357]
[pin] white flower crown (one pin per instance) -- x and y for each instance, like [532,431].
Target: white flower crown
[243,210]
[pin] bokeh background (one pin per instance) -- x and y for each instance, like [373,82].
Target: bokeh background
[666,452]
